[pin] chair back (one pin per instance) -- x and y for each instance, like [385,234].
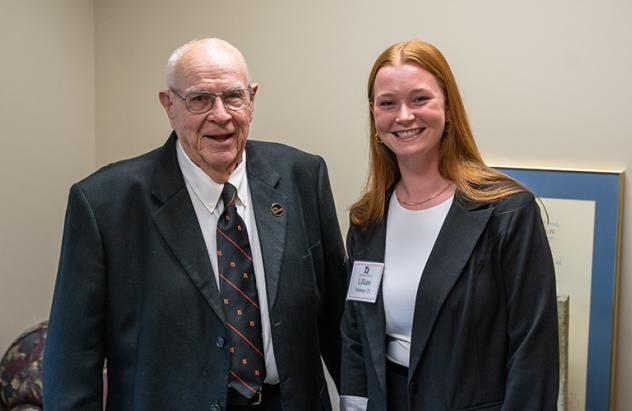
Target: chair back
[21,371]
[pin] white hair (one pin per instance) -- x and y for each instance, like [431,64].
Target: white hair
[211,43]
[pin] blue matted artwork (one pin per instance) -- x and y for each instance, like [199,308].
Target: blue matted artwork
[605,189]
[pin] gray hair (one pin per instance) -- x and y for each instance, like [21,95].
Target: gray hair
[211,43]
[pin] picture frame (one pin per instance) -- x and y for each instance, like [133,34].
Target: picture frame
[581,211]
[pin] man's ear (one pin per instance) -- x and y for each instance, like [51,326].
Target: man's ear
[165,101]
[254,87]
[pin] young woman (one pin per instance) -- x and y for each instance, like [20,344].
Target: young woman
[464,314]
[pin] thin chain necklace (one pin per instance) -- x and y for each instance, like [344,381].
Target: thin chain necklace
[418,203]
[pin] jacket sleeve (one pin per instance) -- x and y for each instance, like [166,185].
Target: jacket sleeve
[334,277]
[354,378]
[75,348]
[529,276]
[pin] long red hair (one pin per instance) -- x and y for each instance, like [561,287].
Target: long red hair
[459,160]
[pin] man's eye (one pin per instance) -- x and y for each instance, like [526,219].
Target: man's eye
[199,98]
[234,97]
[234,94]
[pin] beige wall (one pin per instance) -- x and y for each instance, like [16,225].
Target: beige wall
[47,117]
[546,84]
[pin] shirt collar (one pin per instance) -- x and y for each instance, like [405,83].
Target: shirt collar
[207,190]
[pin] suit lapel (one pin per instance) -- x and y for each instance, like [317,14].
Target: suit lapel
[178,224]
[373,317]
[457,238]
[262,181]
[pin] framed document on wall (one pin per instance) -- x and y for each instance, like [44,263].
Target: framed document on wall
[581,211]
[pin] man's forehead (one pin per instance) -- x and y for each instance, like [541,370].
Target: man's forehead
[202,65]
[214,56]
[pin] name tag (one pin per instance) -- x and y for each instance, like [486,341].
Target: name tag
[365,281]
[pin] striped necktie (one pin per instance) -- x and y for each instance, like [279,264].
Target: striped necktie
[238,290]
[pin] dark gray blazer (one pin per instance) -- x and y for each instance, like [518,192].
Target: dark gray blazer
[484,331]
[135,286]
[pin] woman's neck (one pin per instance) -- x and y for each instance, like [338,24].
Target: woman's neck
[422,187]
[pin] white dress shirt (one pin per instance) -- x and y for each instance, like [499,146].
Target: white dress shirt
[206,198]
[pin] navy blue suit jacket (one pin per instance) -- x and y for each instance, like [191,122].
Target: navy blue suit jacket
[135,286]
[484,333]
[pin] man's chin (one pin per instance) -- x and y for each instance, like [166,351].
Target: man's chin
[220,164]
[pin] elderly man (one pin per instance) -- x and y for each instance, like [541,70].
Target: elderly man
[209,273]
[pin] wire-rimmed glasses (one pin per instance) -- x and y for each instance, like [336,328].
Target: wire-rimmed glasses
[198,102]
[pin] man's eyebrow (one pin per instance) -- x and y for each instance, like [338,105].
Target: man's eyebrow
[203,90]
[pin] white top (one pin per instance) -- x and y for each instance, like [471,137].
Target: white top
[410,237]
[206,198]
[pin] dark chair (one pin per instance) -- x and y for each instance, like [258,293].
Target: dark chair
[21,372]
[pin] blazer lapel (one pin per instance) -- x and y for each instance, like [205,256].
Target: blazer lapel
[373,317]
[271,227]
[458,236]
[178,224]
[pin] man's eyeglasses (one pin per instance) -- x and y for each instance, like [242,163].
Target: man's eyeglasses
[198,102]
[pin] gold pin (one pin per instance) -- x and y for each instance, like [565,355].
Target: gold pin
[277,209]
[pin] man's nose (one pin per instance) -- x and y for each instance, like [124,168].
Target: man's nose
[218,112]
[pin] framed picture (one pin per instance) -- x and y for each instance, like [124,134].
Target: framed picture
[581,211]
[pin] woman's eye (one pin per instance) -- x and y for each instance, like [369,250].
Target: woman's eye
[420,99]
[385,103]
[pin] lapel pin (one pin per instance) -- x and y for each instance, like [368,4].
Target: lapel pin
[277,209]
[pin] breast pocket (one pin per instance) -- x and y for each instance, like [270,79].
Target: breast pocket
[316,259]
[316,251]
[300,285]
[489,406]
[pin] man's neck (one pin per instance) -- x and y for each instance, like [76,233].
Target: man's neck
[221,175]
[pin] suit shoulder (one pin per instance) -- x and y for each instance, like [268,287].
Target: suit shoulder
[123,170]
[516,208]
[284,153]
[113,180]
[514,202]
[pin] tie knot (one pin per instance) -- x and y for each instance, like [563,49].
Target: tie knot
[228,194]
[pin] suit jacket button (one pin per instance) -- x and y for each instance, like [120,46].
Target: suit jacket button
[414,387]
[220,343]
[216,407]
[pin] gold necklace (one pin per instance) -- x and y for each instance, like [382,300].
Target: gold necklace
[432,197]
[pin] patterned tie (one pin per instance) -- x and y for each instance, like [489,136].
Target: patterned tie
[238,290]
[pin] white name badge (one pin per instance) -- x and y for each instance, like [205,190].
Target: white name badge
[365,281]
